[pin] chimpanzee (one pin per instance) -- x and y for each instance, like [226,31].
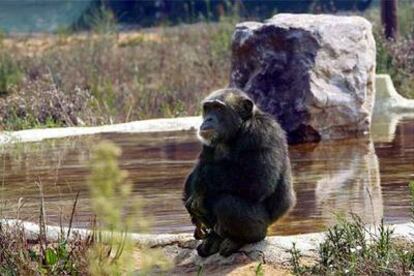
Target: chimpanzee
[241,182]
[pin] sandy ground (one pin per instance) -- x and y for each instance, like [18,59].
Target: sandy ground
[244,267]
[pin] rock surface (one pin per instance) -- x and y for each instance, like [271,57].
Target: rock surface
[314,73]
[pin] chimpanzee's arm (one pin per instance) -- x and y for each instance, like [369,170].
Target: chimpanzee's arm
[252,176]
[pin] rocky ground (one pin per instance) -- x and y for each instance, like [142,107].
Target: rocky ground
[270,257]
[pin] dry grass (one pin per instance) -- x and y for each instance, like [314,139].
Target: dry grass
[109,77]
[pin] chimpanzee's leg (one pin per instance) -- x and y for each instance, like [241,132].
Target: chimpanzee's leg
[239,222]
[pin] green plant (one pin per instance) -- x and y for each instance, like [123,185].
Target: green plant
[102,21]
[295,257]
[383,246]
[384,57]
[259,270]
[13,121]
[2,36]
[63,33]
[10,73]
[132,42]
[200,270]
[396,58]
[221,38]
[342,242]
[411,187]
[110,192]
[103,92]
[350,248]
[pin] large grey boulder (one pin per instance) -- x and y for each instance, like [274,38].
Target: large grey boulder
[314,73]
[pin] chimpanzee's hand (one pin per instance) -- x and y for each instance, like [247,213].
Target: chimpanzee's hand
[194,205]
[201,231]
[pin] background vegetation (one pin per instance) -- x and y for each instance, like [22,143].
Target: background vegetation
[106,76]
[397,57]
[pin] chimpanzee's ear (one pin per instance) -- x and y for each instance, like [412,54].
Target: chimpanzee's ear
[246,109]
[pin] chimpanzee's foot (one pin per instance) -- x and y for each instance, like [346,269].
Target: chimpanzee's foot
[228,247]
[210,245]
[200,232]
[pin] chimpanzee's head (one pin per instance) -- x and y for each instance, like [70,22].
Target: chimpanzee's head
[224,112]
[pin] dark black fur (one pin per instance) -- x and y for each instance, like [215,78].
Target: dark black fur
[242,180]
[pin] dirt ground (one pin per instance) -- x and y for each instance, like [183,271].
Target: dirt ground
[243,266]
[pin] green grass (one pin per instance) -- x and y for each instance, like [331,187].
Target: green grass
[28,122]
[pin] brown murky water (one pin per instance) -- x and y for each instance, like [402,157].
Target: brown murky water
[366,176]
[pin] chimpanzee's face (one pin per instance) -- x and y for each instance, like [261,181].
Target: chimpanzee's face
[221,120]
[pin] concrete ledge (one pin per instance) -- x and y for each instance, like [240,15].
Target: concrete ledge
[388,99]
[155,125]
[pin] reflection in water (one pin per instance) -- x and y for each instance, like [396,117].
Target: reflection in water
[384,126]
[360,176]
[355,181]
[335,178]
